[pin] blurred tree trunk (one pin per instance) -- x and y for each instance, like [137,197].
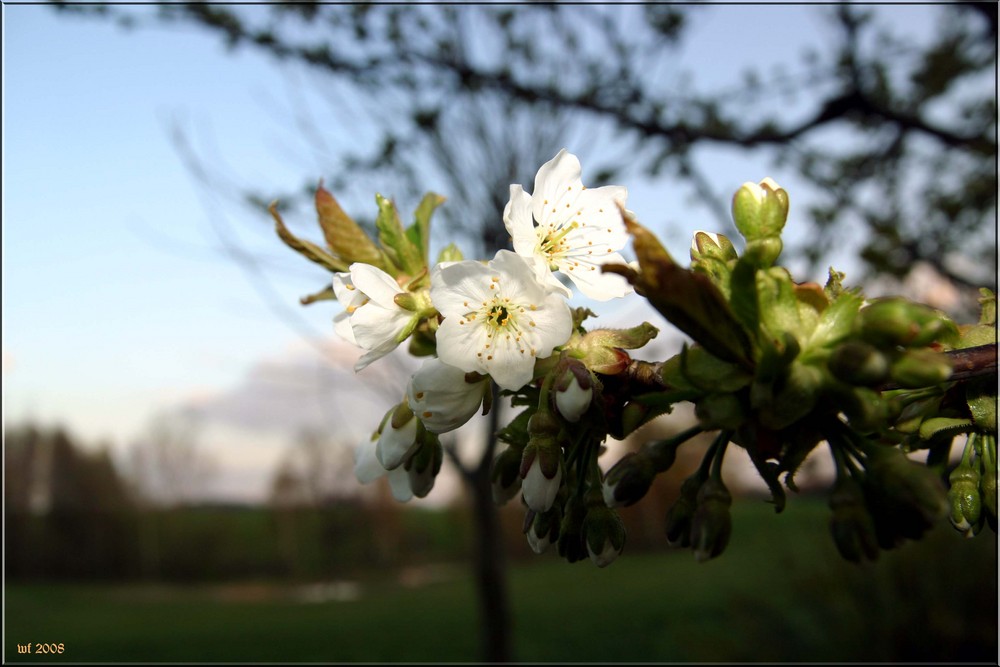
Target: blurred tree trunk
[491,561]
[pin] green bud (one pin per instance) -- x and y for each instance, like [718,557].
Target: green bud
[859,363]
[505,477]
[864,408]
[571,544]
[544,530]
[422,468]
[794,398]
[920,368]
[763,252]
[603,350]
[711,524]
[988,478]
[604,535]
[760,209]
[709,246]
[850,524]
[634,415]
[678,522]
[543,423]
[407,301]
[893,321]
[964,499]
[628,480]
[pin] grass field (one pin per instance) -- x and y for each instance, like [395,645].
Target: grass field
[779,593]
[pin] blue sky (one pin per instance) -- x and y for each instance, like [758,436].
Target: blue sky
[116,300]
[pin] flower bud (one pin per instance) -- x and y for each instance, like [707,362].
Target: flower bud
[398,437]
[442,396]
[571,544]
[859,363]
[850,524]
[963,498]
[604,534]
[628,480]
[894,321]
[988,478]
[544,530]
[711,524]
[424,465]
[574,391]
[920,368]
[760,209]
[541,473]
[763,252]
[678,522]
[505,476]
[603,350]
[706,245]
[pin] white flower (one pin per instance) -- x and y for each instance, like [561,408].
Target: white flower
[570,228]
[396,444]
[367,469]
[497,318]
[442,398]
[375,320]
[539,491]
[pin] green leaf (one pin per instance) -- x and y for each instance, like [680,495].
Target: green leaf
[419,233]
[743,294]
[343,235]
[309,250]
[837,321]
[398,248]
[688,299]
[943,426]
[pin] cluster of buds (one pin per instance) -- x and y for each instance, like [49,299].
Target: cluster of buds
[775,367]
[973,494]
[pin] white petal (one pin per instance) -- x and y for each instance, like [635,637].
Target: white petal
[511,368]
[517,217]
[441,398]
[458,344]
[394,445]
[557,183]
[553,325]
[399,484]
[573,401]
[596,284]
[377,285]
[342,327]
[366,466]
[538,491]
[376,328]
[460,287]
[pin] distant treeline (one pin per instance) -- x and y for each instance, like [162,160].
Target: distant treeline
[70,514]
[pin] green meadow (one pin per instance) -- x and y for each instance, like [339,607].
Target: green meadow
[779,593]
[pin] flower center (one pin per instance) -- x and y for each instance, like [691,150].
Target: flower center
[552,240]
[499,315]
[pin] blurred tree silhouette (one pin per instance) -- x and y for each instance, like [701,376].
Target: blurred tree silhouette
[898,138]
[67,510]
[168,466]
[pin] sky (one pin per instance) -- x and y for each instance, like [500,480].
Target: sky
[118,302]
